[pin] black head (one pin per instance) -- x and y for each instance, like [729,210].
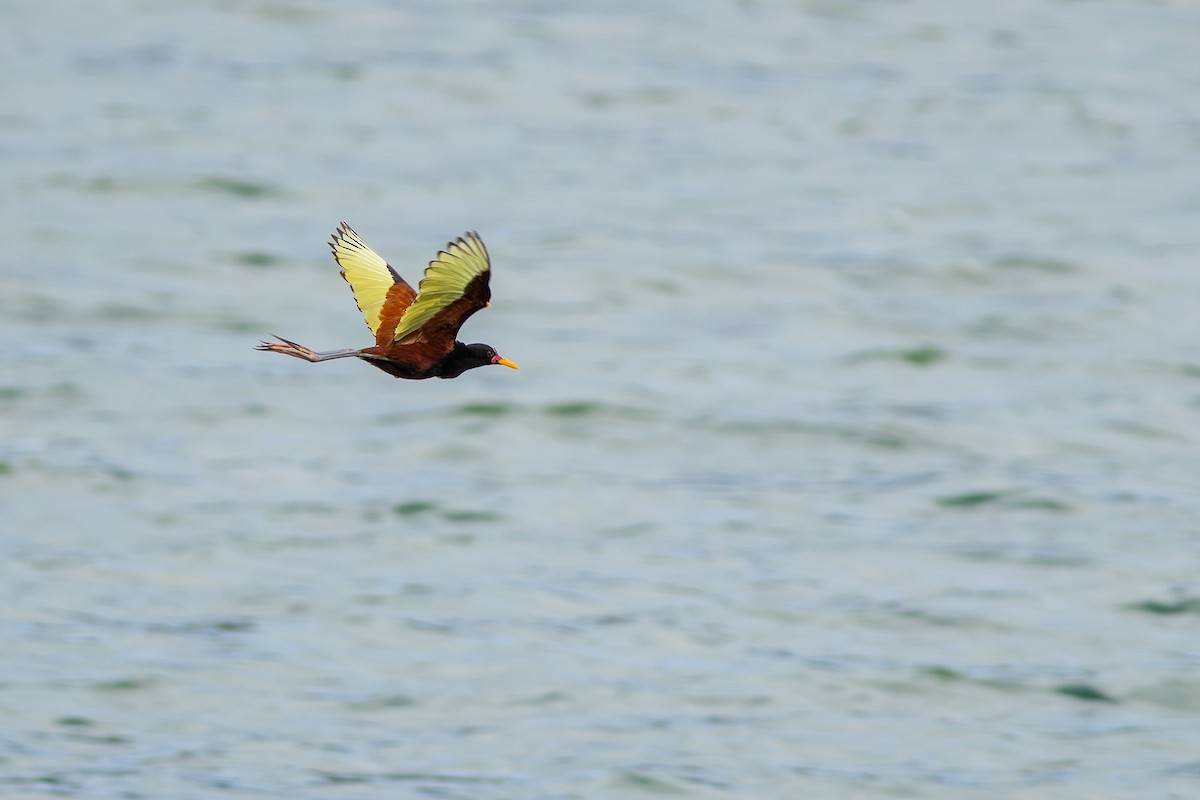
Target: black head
[470,356]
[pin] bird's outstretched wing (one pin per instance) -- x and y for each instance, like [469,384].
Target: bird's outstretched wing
[382,295]
[454,287]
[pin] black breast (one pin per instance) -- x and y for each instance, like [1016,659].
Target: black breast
[399,370]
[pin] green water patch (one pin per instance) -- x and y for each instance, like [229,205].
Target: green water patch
[641,782]
[401,777]
[307,508]
[487,409]
[234,325]
[1190,370]
[1084,691]
[1057,558]
[125,685]
[118,473]
[419,508]
[943,673]
[544,699]
[601,101]
[1054,266]
[74,722]
[580,408]
[1186,605]
[948,675]
[203,627]
[470,516]
[1144,431]
[1007,499]
[938,620]
[345,777]
[126,312]
[229,626]
[1037,504]
[884,438]
[383,703]
[346,72]
[257,259]
[663,286]
[1078,691]
[219,626]
[570,409]
[923,356]
[80,731]
[413,507]
[650,97]
[236,187]
[64,391]
[970,499]
[109,738]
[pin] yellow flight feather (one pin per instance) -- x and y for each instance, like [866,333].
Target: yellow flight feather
[446,279]
[368,274]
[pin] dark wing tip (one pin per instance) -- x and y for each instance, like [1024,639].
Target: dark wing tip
[461,241]
[487,257]
[340,235]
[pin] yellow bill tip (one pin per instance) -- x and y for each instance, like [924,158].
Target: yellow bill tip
[506,363]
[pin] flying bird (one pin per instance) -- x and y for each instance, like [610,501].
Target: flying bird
[415,330]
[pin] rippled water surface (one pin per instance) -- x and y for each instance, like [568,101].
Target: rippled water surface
[853,453]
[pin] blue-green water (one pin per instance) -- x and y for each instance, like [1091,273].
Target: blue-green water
[853,453]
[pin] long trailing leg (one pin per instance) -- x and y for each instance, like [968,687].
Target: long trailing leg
[289,348]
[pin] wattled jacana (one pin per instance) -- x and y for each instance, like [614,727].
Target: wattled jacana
[415,331]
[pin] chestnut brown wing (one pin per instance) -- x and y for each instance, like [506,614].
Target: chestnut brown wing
[454,287]
[381,294]
[397,301]
[442,329]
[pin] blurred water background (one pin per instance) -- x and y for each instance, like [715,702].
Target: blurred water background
[853,453]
